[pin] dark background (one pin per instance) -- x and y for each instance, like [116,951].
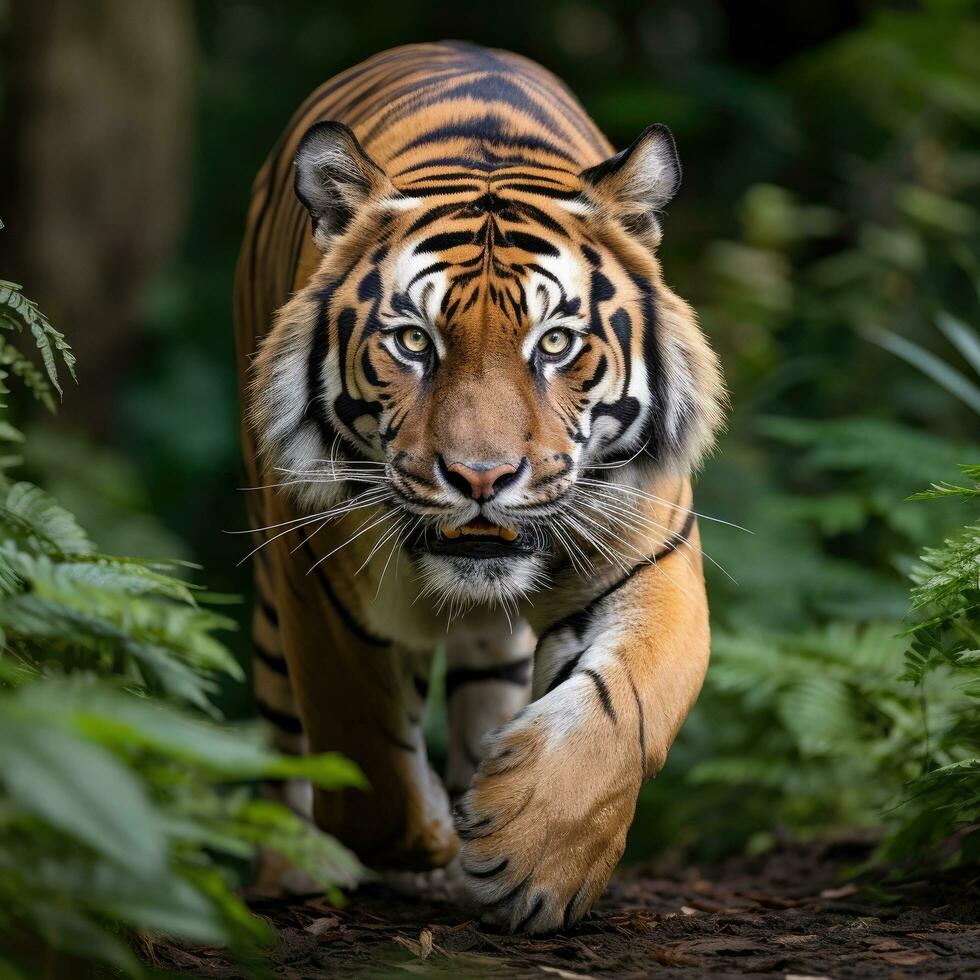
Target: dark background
[832,166]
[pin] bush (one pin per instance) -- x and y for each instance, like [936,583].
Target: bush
[123,802]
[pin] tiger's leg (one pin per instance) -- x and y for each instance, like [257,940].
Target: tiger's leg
[488,680]
[274,699]
[277,707]
[362,695]
[545,822]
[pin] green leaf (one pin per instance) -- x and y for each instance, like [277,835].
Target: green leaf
[118,720]
[965,339]
[9,433]
[956,383]
[72,932]
[38,514]
[82,790]
[820,713]
[163,901]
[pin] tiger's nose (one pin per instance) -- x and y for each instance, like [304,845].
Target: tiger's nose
[480,480]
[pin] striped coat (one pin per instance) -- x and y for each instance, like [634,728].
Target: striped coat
[472,410]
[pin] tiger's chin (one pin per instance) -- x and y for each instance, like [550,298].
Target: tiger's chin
[457,582]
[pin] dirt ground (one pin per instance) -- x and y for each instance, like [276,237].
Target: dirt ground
[783,915]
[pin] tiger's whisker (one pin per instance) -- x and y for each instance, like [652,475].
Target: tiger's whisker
[631,491]
[372,503]
[605,507]
[386,516]
[380,542]
[295,526]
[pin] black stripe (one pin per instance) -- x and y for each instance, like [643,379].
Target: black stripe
[604,697]
[532,912]
[438,190]
[542,191]
[677,538]
[444,241]
[478,129]
[434,214]
[566,670]
[515,672]
[642,725]
[346,618]
[508,897]
[468,831]
[566,919]
[274,661]
[484,166]
[459,175]
[581,617]
[399,743]
[268,610]
[535,213]
[597,375]
[529,243]
[282,720]
[490,872]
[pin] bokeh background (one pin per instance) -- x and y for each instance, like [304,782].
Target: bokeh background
[827,232]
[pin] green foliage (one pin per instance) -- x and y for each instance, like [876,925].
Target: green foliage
[121,809]
[842,296]
[828,732]
[18,313]
[945,643]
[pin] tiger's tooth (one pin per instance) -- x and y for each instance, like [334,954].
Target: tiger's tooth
[449,532]
[508,533]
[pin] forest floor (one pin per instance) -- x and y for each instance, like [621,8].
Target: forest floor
[785,914]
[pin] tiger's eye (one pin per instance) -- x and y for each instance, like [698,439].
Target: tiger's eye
[555,342]
[415,340]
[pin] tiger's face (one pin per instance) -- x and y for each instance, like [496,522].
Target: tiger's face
[472,344]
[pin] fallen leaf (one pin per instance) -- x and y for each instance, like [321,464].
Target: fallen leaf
[410,944]
[770,901]
[793,939]
[849,889]
[906,957]
[723,944]
[319,926]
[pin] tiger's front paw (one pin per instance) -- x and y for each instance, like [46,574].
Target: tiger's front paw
[544,823]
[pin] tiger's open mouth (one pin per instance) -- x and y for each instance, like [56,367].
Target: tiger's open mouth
[479,538]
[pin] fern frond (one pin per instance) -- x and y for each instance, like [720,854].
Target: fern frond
[17,311]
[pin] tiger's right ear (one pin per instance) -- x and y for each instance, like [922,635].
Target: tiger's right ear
[637,183]
[334,178]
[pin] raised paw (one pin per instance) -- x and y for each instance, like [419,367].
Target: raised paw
[544,823]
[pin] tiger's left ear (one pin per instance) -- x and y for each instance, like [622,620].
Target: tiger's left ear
[335,179]
[638,182]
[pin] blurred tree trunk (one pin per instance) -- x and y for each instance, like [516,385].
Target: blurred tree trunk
[94,175]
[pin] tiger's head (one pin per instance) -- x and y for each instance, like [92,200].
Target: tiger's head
[475,341]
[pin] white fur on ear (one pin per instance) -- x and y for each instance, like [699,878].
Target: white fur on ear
[334,177]
[646,175]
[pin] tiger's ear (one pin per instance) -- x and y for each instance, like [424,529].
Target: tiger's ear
[638,182]
[334,178]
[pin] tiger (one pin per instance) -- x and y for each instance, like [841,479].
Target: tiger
[472,413]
